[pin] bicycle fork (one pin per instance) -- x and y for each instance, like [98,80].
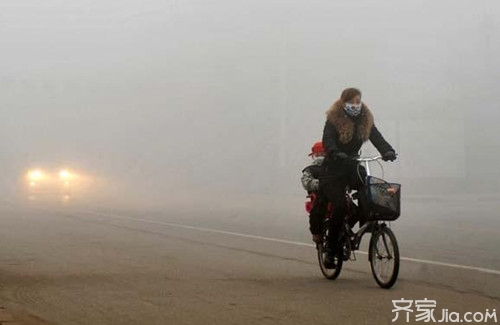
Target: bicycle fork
[379,229]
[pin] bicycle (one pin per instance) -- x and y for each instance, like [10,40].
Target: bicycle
[383,200]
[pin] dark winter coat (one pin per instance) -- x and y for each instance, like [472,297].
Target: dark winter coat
[311,174]
[343,133]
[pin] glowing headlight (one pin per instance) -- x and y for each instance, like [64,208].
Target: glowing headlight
[64,175]
[35,175]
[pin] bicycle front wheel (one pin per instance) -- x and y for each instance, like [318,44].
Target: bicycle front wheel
[384,257]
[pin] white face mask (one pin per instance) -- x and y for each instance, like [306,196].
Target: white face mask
[353,109]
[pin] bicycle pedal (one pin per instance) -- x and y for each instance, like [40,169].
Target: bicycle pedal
[352,257]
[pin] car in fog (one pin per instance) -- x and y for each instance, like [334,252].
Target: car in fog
[43,184]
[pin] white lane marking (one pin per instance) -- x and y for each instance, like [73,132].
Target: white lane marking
[199,228]
[283,241]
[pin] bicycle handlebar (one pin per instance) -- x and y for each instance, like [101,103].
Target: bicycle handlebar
[367,159]
[363,159]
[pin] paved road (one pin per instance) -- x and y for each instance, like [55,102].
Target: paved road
[80,266]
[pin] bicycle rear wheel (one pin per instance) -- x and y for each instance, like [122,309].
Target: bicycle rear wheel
[329,272]
[384,257]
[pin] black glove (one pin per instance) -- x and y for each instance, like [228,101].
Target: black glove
[341,155]
[389,155]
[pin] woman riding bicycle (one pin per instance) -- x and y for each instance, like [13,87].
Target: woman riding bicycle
[348,125]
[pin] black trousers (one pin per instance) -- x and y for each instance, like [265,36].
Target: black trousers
[337,176]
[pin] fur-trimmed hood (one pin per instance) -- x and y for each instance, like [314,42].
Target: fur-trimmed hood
[345,125]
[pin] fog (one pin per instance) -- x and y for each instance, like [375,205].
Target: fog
[197,98]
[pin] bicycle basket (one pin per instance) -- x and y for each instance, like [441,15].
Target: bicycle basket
[384,199]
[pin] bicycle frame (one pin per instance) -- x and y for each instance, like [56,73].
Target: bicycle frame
[354,238]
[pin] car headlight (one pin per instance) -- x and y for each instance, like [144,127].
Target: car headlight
[35,175]
[64,175]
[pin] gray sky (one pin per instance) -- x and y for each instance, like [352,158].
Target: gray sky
[229,95]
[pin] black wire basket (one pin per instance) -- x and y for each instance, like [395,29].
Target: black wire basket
[384,199]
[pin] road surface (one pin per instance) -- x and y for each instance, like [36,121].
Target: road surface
[76,265]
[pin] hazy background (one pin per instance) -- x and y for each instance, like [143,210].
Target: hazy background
[167,99]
